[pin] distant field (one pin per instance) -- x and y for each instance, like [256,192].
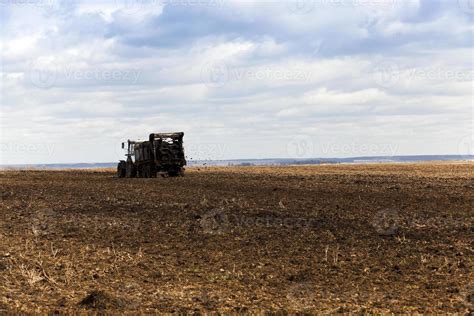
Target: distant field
[259,162]
[333,238]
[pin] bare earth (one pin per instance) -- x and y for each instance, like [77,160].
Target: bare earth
[337,238]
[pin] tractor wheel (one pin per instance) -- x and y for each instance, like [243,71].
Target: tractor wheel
[121,169]
[146,172]
[149,171]
[140,171]
[152,171]
[131,171]
[175,172]
[143,171]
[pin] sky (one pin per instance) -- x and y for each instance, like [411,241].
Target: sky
[265,79]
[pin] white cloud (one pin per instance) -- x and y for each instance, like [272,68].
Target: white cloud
[80,77]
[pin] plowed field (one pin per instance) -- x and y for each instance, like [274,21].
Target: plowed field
[317,239]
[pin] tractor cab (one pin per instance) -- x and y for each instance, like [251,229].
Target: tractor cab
[126,168]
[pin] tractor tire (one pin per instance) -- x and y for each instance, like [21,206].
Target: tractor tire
[121,169]
[131,170]
[153,172]
[176,172]
[140,171]
[146,172]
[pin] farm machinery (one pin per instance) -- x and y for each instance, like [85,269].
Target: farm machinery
[161,153]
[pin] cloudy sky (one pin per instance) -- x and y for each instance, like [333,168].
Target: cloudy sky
[266,79]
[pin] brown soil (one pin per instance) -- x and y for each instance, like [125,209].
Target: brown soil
[339,238]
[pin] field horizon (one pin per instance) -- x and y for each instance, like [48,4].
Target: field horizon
[262,161]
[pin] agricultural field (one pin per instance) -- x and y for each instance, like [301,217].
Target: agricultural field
[312,239]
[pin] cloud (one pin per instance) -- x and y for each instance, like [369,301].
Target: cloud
[241,79]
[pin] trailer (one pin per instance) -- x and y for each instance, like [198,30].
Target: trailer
[162,153]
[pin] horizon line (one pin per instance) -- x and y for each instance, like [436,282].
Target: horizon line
[459,156]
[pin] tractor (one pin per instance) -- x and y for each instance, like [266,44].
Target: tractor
[162,153]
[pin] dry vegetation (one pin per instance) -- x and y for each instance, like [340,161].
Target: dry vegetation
[339,238]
